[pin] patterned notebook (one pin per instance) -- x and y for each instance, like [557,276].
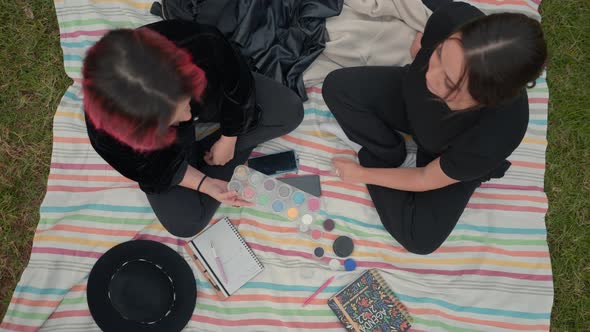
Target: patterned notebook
[368,304]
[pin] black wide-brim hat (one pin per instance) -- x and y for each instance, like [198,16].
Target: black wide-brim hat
[141,286]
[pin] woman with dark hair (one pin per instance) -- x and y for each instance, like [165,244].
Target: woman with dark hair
[146,89]
[464,101]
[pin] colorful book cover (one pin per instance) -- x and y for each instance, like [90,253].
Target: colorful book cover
[368,304]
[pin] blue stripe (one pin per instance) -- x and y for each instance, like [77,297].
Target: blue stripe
[72,57]
[80,44]
[318,112]
[541,80]
[502,230]
[279,287]
[538,122]
[100,207]
[72,96]
[35,290]
[475,310]
[447,305]
[352,221]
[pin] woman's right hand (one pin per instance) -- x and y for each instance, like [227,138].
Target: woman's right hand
[218,189]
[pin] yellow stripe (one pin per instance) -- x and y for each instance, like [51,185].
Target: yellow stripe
[74,115]
[535,141]
[75,240]
[135,4]
[434,261]
[317,133]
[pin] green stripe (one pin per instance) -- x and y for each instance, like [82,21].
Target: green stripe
[112,24]
[253,212]
[73,69]
[76,300]
[107,220]
[443,325]
[497,241]
[27,315]
[252,310]
[277,217]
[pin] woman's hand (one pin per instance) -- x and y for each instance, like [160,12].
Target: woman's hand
[222,151]
[348,170]
[416,45]
[218,189]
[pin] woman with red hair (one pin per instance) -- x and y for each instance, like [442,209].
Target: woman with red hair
[146,89]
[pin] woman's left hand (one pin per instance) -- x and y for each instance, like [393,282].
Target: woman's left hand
[222,151]
[348,170]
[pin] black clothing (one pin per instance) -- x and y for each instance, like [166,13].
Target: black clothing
[159,170]
[182,211]
[185,212]
[281,38]
[370,103]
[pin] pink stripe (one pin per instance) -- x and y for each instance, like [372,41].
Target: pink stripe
[85,189]
[503,207]
[418,271]
[165,239]
[348,198]
[491,273]
[83,33]
[70,313]
[18,327]
[538,100]
[314,89]
[266,322]
[66,252]
[94,167]
[511,186]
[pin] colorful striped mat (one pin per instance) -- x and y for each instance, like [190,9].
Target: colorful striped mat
[492,274]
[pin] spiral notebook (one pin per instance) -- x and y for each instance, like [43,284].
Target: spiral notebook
[368,304]
[239,262]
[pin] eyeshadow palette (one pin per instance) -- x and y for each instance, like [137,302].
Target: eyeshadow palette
[274,196]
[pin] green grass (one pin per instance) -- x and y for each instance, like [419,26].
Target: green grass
[32,81]
[567,180]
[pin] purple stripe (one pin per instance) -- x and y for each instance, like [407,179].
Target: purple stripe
[491,273]
[94,167]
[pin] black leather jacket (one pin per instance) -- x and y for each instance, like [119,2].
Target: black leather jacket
[229,99]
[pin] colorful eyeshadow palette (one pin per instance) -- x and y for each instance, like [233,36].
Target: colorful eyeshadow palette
[274,196]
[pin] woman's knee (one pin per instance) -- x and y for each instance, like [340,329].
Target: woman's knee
[334,87]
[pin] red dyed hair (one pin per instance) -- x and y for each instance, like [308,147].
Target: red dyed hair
[107,115]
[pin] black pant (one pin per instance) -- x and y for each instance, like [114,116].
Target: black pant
[185,212]
[368,104]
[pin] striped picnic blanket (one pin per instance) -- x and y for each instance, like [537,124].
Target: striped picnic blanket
[492,274]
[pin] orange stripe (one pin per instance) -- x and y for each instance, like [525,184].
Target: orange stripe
[528,164]
[317,146]
[35,303]
[511,197]
[96,178]
[91,230]
[346,185]
[516,327]
[78,288]
[75,140]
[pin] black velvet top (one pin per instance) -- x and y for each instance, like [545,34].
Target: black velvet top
[156,171]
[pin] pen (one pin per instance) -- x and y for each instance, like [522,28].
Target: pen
[322,287]
[218,262]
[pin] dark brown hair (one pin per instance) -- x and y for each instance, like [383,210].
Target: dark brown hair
[503,53]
